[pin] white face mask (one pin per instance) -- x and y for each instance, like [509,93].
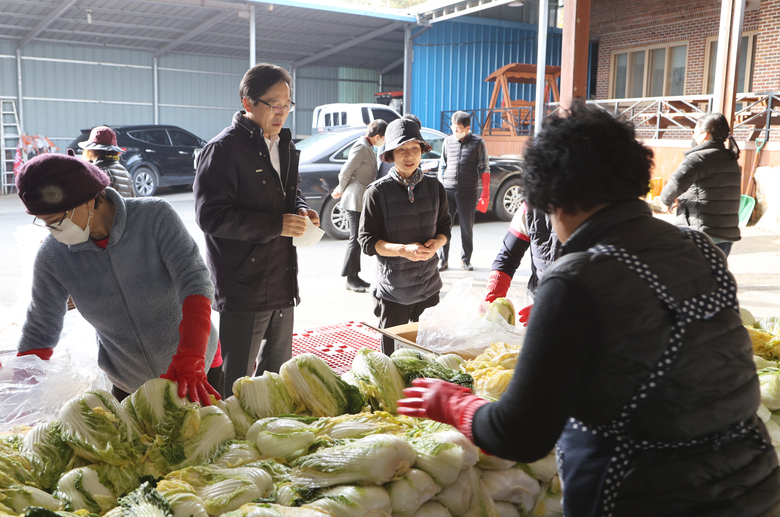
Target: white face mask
[460,135]
[69,232]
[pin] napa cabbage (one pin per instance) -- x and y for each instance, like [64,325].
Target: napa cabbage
[315,386]
[224,490]
[507,509]
[352,501]
[157,408]
[207,432]
[412,368]
[410,492]
[362,424]
[185,502]
[236,454]
[769,379]
[378,379]
[457,497]
[273,510]
[98,429]
[264,396]
[81,489]
[282,438]
[15,468]
[373,459]
[442,460]
[451,361]
[513,486]
[49,455]
[18,497]
[144,501]
[432,509]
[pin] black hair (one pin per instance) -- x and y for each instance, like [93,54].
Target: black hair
[413,118]
[461,117]
[376,127]
[718,127]
[261,78]
[584,158]
[101,196]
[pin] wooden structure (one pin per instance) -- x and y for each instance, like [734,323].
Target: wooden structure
[508,123]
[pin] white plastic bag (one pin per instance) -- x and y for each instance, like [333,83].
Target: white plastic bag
[33,390]
[456,324]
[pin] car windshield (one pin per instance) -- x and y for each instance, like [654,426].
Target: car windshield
[316,144]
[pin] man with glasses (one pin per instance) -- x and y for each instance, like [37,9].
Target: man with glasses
[464,164]
[132,269]
[249,205]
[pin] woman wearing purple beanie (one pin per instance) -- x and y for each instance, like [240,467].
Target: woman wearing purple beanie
[133,271]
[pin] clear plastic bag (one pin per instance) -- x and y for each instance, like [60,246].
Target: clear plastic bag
[457,324]
[33,390]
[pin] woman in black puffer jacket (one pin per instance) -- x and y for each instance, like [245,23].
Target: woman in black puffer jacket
[103,152]
[707,184]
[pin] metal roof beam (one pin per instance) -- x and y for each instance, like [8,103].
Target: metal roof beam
[454,9]
[392,66]
[209,4]
[194,32]
[64,6]
[347,44]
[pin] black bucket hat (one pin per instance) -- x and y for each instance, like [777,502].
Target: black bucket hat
[398,133]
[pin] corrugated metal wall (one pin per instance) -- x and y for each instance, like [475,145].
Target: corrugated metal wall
[318,85]
[452,59]
[69,88]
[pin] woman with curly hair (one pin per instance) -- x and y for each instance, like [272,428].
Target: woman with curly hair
[635,366]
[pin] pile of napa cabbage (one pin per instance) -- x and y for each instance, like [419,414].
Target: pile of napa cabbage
[305,442]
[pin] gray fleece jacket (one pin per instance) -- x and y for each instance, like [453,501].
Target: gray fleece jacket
[131,292]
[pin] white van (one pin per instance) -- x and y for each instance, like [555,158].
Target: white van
[335,116]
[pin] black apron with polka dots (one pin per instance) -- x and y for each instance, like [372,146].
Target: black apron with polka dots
[592,461]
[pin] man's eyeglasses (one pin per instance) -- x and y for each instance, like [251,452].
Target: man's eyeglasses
[281,108]
[42,224]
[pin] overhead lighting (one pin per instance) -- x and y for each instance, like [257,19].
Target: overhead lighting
[516,3]
[89,15]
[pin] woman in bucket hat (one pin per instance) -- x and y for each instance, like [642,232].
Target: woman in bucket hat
[405,220]
[101,150]
[132,269]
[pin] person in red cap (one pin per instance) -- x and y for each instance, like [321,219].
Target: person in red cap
[101,150]
[132,269]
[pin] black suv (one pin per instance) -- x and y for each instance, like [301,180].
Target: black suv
[155,156]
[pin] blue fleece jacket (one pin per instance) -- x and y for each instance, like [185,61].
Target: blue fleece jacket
[131,292]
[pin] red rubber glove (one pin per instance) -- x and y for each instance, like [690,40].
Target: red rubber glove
[188,365]
[525,314]
[497,285]
[442,401]
[484,199]
[43,353]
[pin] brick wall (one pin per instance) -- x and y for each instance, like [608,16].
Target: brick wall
[626,24]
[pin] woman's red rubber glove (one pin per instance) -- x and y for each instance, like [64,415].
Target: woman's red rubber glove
[43,353]
[524,314]
[188,365]
[497,285]
[442,401]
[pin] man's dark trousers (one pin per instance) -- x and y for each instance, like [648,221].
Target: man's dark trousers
[464,204]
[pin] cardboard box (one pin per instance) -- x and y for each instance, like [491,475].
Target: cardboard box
[405,336]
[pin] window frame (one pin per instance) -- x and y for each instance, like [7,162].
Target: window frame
[646,73]
[749,68]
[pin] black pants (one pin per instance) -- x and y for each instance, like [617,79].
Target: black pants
[464,204]
[254,342]
[725,246]
[352,257]
[215,377]
[391,314]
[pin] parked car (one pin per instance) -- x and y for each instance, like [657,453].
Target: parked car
[155,155]
[323,154]
[330,117]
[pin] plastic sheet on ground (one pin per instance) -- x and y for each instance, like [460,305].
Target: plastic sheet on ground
[456,323]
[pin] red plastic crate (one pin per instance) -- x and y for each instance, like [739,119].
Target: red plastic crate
[337,344]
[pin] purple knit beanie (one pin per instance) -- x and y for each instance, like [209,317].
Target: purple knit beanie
[55,183]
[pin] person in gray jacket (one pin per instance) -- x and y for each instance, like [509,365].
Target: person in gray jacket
[356,174]
[405,220]
[132,269]
[707,184]
[102,150]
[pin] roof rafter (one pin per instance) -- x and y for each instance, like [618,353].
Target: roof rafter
[347,44]
[194,32]
[64,6]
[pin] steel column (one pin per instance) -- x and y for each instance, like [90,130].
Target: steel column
[541,65]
